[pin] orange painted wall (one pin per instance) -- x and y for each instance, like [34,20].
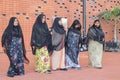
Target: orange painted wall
[27,10]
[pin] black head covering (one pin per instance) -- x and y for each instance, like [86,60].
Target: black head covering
[41,35]
[95,25]
[76,30]
[57,27]
[11,31]
[96,33]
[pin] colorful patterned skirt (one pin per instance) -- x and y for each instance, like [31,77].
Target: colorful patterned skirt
[15,55]
[42,60]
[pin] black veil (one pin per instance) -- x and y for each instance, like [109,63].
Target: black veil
[76,30]
[58,35]
[41,35]
[96,33]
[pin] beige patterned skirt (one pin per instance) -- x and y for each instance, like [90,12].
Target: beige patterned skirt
[95,50]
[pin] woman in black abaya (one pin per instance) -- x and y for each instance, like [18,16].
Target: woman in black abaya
[13,43]
[95,45]
[73,43]
[41,44]
[58,42]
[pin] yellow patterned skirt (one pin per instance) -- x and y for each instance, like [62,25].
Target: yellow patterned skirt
[42,60]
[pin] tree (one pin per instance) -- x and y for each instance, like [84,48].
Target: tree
[111,16]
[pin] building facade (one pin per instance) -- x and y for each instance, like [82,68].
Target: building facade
[27,11]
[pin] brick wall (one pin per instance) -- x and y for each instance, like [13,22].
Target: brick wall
[27,11]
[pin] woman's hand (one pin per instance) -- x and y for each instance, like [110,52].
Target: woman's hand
[51,32]
[26,61]
[80,45]
[68,45]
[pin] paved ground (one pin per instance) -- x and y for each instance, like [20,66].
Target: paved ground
[110,71]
